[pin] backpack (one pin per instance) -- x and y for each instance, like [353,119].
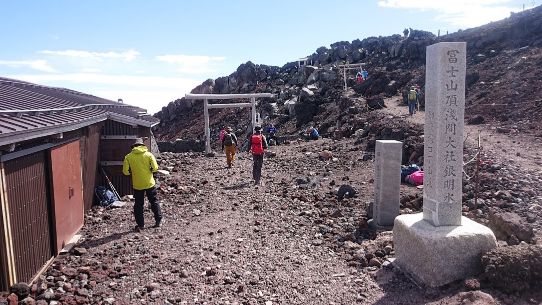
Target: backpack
[228,139]
[412,95]
[256,144]
[105,196]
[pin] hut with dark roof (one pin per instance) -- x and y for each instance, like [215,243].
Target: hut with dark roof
[54,143]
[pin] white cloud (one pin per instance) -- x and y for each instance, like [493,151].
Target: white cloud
[40,65]
[460,13]
[129,55]
[91,70]
[149,92]
[97,78]
[149,99]
[194,64]
[146,83]
[189,59]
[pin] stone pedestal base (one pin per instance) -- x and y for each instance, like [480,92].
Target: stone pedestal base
[436,256]
[373,225]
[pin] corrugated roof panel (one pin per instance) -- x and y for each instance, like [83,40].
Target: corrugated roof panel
[10,123]
[16,98]
[29,107]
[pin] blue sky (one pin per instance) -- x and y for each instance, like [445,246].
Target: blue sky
[151,52]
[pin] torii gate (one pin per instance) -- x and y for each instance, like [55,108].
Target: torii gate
[350,67]
[207,106]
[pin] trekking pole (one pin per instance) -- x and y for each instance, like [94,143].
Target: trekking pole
[109,183]
[476,173]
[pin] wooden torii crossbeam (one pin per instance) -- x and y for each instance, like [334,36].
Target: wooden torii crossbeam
[350,67]
[207,106]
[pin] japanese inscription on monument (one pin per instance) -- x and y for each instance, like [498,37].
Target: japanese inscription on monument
[443,147]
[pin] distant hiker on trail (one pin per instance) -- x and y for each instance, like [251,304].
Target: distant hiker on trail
[271,135]
[229,143]
[313,133]
[419,100]
[364,74]
[258,144]
[359,77]
[140,164]
[405,96]
[221,134]
[412,100]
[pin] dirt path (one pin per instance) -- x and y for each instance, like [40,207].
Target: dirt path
[226,241]
[511,147]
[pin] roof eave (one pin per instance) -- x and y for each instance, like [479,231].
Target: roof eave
[25,135]
[130,120]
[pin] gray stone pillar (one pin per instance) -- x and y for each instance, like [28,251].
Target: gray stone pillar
[440,246]
[387,182]
[444,120]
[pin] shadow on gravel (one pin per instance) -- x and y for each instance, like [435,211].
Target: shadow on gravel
[104,240]
[399,289]
[238,186]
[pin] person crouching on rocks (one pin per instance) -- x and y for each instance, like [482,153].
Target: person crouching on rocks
[258,144]
[141,164]
[229,145]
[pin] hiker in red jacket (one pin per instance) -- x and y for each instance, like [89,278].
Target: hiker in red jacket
[258,144]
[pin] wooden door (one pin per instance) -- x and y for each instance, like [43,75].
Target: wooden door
[67,192]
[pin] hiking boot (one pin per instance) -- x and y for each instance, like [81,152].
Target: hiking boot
[138,229]
[158,224]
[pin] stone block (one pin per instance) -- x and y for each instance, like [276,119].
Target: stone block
[436,256]
[387,182]
[443,133]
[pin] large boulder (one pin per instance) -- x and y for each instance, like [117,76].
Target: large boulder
[328,76]
[306,110]
[22,290]
[510,227]
[375,102]
[181,145]
[205,88]
[513,268]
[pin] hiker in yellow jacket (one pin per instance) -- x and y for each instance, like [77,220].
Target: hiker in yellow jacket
[140,164]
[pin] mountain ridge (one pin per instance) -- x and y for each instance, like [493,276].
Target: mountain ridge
[394,63]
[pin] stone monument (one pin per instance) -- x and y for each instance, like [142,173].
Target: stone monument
[387,183]
[439,245]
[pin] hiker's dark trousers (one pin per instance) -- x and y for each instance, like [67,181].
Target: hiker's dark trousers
[139,196]
[257,167]
[411,107]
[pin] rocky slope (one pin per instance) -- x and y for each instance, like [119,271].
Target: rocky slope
[504,62]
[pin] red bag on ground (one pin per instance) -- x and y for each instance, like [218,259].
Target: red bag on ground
[415,178]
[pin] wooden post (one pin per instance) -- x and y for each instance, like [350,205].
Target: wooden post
[207,131]
[253,101]
[8,237]
[477,170]
[344,76]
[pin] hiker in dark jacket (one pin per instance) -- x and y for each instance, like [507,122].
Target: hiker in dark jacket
[258,144]
[229,145]
[271,134]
